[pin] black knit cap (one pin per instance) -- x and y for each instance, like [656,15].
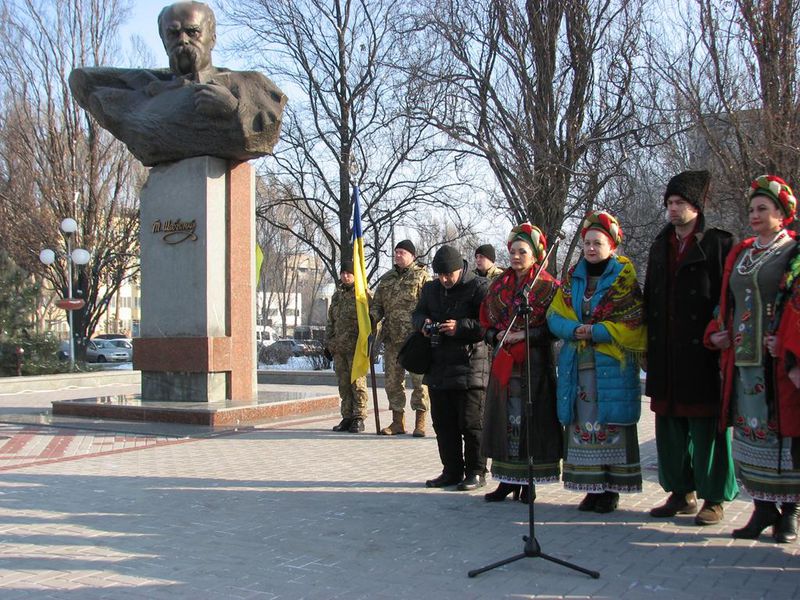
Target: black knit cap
[692,186]
[347,267]
[446,260]
[407,245]
[486,250]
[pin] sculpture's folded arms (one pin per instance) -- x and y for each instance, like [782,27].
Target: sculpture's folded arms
[163,117]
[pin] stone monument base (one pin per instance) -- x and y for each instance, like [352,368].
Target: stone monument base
[270,406]
[197,337]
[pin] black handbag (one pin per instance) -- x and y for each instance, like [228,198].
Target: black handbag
[415,355]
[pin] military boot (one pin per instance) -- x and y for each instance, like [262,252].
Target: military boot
[419,424]
[397,427]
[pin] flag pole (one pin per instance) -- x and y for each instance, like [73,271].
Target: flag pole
[374,385]
[362,357]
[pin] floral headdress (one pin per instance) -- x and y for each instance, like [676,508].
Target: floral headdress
[531,235]
[604,222]
[777,190]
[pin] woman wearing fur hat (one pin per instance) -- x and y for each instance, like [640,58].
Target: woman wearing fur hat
[504,428]
[598,313]
[757,331]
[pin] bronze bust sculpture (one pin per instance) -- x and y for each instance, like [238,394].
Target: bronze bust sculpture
[192,109]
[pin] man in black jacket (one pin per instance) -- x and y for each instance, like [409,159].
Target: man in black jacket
[681,290]
[448,313]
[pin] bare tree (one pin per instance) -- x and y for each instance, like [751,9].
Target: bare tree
[435,233]
[279,274]
[56,162]
[290,267]
[541,90]
[346,106]
[733,77]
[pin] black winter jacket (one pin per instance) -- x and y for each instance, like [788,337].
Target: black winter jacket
[459,362]
[682,375]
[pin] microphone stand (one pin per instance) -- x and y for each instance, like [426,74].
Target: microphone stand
[532,548]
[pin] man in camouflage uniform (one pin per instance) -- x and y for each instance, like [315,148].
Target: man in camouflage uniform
[341,335]
[484,262]
[395,299]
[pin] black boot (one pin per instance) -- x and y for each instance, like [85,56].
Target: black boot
[785,531]
[764,515]
[443,480]
[588,503]
[503,490]
[607,502]
[472,482]
[344,425]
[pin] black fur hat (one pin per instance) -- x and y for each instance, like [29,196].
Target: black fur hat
[691,186]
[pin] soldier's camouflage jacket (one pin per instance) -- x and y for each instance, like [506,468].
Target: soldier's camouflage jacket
[493,272]
[341,330]
[396,298]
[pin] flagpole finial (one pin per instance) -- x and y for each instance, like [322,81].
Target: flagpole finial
[353,167]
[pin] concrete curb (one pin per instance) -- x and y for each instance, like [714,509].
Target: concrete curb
[310,378]
[60,381]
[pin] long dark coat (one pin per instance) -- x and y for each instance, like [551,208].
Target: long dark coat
[682,375]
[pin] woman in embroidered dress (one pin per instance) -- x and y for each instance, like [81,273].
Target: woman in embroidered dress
[598,313]
[757,331]
[504,429]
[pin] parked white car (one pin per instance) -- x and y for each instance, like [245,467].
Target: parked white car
[118,350]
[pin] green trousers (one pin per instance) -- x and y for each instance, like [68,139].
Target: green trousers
[694,456]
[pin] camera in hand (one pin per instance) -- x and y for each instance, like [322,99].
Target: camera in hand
[432,329]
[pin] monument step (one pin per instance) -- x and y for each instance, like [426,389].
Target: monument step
[270,406]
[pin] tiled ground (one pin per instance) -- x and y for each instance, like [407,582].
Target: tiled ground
[27,445]
[294,510]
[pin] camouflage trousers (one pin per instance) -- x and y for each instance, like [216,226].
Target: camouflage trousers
[354,395]
[396,382]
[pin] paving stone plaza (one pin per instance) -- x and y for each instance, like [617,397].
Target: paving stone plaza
[292,510]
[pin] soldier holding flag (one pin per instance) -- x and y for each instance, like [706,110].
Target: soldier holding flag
[341,337]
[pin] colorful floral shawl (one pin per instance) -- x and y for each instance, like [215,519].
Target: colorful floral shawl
[620,311]
[500,306]
[502,301]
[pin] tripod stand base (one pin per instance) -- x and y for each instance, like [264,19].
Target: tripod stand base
[533,550]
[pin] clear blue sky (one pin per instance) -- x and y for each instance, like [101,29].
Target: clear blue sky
[142,22]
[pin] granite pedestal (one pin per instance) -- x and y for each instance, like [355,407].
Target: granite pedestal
[197,238]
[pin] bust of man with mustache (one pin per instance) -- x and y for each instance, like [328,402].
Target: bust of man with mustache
[192,109]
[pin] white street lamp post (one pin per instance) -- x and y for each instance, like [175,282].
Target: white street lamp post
[79,256]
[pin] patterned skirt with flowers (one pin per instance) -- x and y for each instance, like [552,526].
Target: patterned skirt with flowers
[599,457]
[514,470]
[756,446]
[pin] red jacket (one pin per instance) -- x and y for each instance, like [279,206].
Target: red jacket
[788,406]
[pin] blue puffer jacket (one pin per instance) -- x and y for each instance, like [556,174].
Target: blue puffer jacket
[618,387]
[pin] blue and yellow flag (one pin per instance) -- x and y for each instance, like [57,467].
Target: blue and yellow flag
[361,356]
[259,262]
